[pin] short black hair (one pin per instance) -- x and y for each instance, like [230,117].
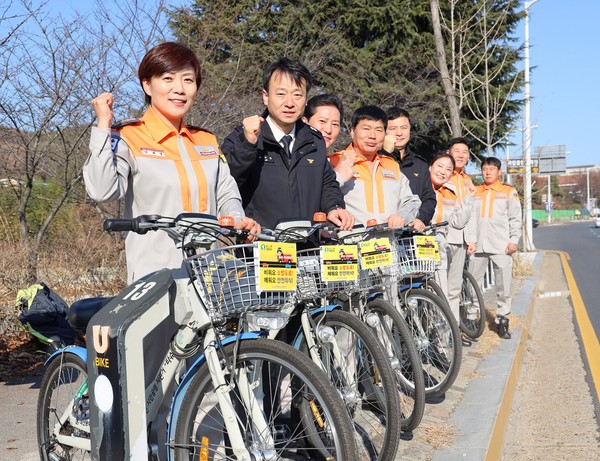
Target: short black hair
[369,113]
[459,140]
[294,68]
[492,161]
[396,112]
[322,100]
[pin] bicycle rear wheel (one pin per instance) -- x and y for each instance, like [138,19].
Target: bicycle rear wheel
[280,379]
[472,307]
[396,339]
[437,336]
[362,374]
[64,409]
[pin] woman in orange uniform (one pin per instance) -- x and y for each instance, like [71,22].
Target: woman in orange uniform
[158,164]
[448,208]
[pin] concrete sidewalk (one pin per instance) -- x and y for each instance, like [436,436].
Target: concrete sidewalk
[472,416]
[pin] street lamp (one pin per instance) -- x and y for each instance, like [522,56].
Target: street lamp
[527,237]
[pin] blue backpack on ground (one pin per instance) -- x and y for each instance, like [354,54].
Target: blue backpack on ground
[44,314]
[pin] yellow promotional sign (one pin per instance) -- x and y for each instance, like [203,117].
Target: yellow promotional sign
[426,247]
[339,263]
[276,266]
[376,253]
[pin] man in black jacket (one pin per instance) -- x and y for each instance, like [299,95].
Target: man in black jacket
[414,167]
[278,161]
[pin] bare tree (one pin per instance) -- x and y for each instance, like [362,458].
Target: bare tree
[52,72]
[455,123]
[477,65]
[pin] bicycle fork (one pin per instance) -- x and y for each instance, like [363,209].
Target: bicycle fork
[321,336]
[249,393]
[409,310]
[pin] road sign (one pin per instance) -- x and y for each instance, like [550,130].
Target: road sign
[549,207]
[553,159]
[517,166]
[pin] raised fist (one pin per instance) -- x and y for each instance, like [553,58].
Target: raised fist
[103,106]
[252,128]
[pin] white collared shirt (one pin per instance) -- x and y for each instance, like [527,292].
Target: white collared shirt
[278,134]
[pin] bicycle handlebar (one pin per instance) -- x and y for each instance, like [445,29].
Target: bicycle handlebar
[139,225]
[206,224]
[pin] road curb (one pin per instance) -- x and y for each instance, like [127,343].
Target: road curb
[481,418]
[494,452]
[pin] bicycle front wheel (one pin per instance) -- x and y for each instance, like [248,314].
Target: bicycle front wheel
[63,415]
[280,380]
[394,335]
[437,336]
[472,307]
[358,368]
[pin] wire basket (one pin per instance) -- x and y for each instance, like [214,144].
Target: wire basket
[382,275]
[310,283]
[228,279]
[409,264]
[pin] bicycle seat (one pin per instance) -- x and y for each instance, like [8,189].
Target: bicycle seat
[83,310]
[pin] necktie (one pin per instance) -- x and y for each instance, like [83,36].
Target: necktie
[287,140]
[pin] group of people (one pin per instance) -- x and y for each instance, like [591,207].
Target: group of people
[276,165]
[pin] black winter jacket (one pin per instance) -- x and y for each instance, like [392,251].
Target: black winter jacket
[272,190]
[416,169]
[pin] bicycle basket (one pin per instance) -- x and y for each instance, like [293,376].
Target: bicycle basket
[410,262]
[228,280]
[378,274]
[310,283]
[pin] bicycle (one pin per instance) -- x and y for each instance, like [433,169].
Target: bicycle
[377,273]
[342,346]
[472,306]
[363,298]
[105,401]
[471,302]
[433,326]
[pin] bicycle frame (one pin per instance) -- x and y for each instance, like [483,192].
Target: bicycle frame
[122,423]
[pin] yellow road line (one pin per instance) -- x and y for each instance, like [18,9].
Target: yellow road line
[496,444]
[588,335]
[590,344]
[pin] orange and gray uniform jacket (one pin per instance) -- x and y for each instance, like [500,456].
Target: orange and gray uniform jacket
[499,217]
[449,209]
[379,194]
[159,171]
[468,233]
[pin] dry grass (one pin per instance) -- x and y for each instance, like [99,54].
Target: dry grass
[490,340]
[522,267]
[438,435]
[84,263]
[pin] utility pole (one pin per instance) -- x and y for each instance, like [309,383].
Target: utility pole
[528,234]
[588,202]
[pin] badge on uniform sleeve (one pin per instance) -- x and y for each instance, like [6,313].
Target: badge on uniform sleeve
[114,142]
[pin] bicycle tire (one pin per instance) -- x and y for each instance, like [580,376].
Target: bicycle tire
[403,352]
[471,298]
[376,412]
[437,336]
[295,379]
[64,378]
[435,287]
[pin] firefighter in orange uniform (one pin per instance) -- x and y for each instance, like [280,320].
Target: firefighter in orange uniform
[498,234]
[158,164]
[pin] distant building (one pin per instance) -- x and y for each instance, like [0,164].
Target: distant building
[576,182]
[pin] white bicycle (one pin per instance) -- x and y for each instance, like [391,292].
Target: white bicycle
[125,396]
